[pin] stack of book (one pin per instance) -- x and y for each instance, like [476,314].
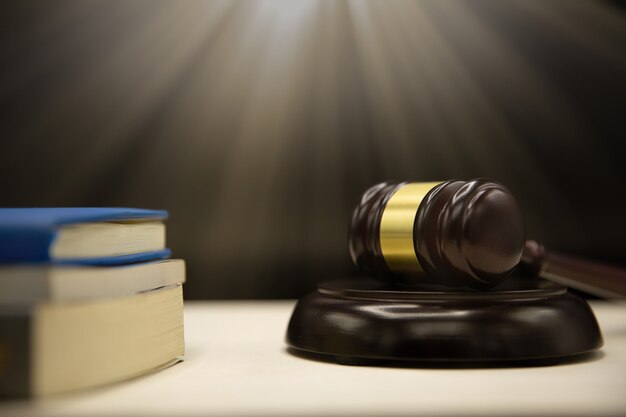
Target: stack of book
[88,296]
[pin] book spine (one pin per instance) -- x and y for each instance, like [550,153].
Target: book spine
[15,354]
[17,245]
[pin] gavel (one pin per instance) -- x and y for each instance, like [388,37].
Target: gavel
[460,234]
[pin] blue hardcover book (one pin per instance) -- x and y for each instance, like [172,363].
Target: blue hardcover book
[82,235]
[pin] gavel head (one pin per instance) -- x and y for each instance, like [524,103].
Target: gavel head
[456,233]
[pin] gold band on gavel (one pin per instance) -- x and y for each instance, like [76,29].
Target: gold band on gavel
[396,227]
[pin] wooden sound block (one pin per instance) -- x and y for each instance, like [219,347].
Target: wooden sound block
[523,319]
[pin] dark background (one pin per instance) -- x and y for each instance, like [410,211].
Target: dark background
[258,124]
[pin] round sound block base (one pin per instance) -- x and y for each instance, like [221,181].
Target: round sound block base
[360,320]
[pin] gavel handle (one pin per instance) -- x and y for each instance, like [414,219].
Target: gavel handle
[593,277]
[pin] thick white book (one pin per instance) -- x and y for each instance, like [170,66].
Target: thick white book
[49,348]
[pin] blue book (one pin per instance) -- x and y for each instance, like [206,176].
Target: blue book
[82,235]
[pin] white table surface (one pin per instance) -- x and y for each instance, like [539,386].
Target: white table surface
[236,364]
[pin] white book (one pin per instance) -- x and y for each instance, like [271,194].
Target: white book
[31,283]
[49,348]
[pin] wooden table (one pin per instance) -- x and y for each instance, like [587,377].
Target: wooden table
[236,364]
